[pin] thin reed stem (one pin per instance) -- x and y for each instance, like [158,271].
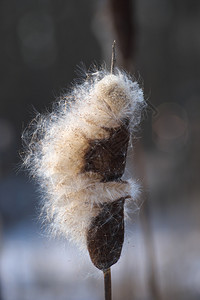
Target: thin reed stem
[113,58]
[150,251]
[107,284]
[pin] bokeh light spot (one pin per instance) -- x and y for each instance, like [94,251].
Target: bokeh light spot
[170,127]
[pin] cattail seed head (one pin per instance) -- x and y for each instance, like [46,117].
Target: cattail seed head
[78,153]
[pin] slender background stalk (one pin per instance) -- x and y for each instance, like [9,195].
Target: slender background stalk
[123,17]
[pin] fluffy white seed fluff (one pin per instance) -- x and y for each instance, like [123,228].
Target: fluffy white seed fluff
[57,142]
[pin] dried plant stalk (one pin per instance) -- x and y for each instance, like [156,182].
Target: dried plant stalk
[78,154]
[107,284]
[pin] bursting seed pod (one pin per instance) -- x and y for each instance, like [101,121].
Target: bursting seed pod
[78,154]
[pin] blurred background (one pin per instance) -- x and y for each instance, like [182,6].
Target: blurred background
[42,44]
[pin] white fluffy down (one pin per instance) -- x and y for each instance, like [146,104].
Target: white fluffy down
[56,146]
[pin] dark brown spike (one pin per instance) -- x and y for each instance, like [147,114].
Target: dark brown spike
[105,235]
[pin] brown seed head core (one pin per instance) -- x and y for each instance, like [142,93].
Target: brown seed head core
[105,235]
[107,157]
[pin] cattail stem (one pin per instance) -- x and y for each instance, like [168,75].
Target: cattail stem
[107,284]
[113,58]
